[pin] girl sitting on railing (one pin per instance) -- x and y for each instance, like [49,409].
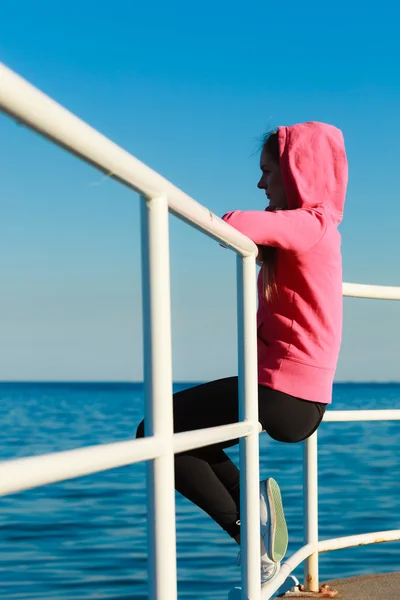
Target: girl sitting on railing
[299,325]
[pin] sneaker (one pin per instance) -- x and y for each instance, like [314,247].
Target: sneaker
[268,569]
[274,533]
[273,530]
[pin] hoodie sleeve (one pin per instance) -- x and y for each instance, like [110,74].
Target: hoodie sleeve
[294,230]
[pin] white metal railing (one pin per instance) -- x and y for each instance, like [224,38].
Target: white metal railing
[28,105]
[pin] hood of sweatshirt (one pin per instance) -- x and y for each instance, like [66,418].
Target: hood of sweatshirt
[314,167]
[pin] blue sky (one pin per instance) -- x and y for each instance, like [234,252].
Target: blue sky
[188,90]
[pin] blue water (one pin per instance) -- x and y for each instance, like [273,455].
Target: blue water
[86,538]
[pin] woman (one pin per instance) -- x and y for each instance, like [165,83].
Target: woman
[299,324]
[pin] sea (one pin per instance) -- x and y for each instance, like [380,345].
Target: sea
[86,538]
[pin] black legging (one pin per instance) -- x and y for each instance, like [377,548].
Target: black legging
[207,476]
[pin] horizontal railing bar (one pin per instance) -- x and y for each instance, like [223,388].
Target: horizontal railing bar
[212,435]
[303,553]
[374,292]
[362,539]
[33,471]
[286,569]
[325,546]
[28,105]
[337,416]
[343,416]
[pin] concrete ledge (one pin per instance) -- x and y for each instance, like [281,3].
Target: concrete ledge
[369,587]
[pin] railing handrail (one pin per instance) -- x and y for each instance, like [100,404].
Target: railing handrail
[372,292]
[28,105]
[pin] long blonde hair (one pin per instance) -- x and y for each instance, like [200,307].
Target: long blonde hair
[268,254]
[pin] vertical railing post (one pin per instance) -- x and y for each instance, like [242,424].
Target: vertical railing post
[311,575]
[158,390]
[248,411]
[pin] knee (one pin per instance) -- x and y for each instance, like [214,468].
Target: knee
[140,430]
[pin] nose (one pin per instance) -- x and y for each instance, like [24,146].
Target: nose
[261,184]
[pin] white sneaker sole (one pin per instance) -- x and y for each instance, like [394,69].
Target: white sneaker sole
[277,529]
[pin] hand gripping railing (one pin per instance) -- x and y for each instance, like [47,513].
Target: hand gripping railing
[28,105]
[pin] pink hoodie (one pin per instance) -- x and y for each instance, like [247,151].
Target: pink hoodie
[300,329]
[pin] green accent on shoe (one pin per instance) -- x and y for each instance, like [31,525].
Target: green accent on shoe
[279,533]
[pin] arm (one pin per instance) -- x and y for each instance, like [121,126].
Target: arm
[295,230]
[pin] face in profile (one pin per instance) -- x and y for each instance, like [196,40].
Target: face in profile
[272,183]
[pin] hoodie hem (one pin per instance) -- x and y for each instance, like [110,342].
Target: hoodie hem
[298,379]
